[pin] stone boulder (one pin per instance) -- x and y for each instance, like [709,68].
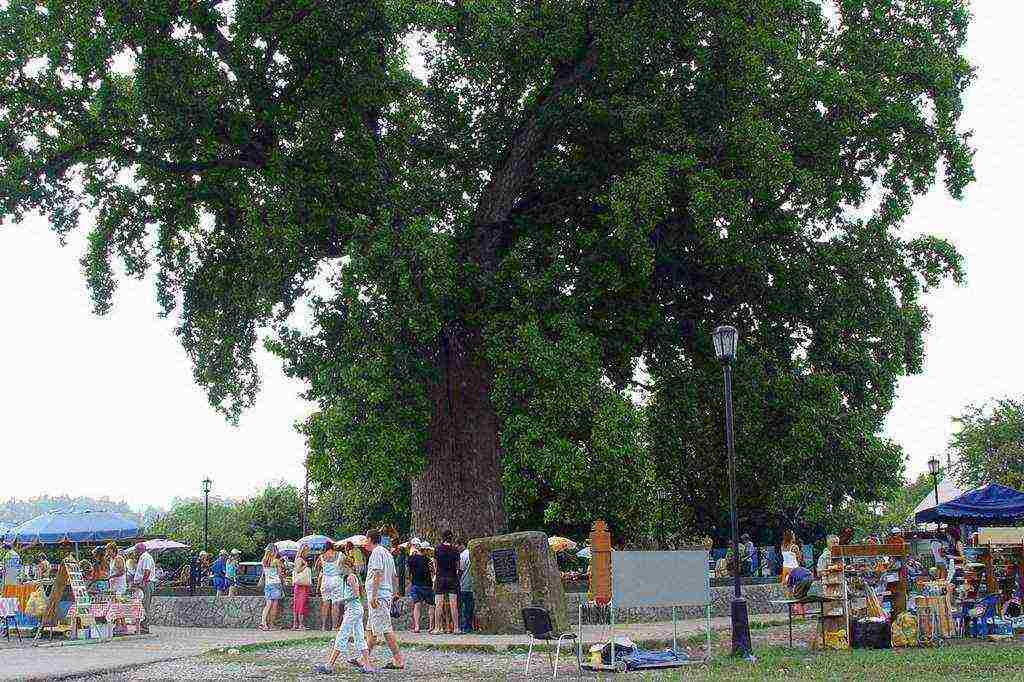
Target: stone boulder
[511,572]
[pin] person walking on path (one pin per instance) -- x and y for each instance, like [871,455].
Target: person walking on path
[145,580]
[302,579]
[231,573]
[466,602]
[446,584]
[381,583]
[330,586]
[420,591]
[272,570]
[351,627]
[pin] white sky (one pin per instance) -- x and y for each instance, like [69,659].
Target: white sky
[107,406]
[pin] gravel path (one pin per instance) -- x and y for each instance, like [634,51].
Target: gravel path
[294,663]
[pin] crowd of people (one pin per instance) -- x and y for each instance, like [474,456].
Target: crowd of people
[108,571]
[358,587]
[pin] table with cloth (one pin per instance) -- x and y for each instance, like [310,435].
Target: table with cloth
[131,613]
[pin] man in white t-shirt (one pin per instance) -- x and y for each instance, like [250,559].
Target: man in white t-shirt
[381,586]
[145,579]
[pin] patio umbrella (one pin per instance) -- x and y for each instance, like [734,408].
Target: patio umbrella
[287,548]
[316,543]
[70,525]
[160,545]
[584,553]
[559,544]
[357,540]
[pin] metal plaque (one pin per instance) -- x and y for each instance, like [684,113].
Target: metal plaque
[505,570]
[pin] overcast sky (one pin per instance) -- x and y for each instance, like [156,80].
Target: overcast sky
[107,406]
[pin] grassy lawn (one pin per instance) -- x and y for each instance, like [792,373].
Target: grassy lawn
[1001,661]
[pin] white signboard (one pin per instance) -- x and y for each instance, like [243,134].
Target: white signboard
[661,578]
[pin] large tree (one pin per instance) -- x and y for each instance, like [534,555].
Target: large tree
[509,204]
[989,445]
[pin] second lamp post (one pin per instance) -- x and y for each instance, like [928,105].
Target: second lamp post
[206,515]
[933,467]
[725,350]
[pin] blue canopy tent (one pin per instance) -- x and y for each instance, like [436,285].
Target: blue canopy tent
[993,504]
[70,525]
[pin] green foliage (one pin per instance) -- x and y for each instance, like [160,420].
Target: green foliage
[14,510]
[893,508]
[569,191]
[228,526]
[273,514]
[989,447]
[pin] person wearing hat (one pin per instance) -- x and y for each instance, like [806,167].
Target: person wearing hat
[420,584]
[144,579]
[231,572]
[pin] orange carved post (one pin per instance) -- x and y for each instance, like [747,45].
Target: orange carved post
[601,563]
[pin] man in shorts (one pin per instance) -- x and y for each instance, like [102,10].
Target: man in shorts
[420,591]
[446,585]
[381,584]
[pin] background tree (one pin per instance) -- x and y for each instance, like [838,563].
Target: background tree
[15,510]
[989,447]
[184,523]
[273,514]
[563,190]
[893,508]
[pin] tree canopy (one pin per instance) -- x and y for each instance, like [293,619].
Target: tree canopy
[989,446]
[513,210]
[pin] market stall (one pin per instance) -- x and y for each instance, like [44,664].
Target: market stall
[71,526]
[991,505]
[64,605]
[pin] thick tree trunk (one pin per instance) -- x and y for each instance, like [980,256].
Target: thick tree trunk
[461,488]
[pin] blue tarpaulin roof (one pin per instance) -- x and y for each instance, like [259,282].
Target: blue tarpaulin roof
[71,525]
[993,503]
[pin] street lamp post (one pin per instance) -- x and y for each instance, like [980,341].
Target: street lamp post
[725,350]
[206,514]
[933,466]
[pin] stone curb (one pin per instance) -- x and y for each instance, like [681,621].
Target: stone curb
[87,642]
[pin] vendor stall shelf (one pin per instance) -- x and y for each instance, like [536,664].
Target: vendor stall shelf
[848,554]
[69,575]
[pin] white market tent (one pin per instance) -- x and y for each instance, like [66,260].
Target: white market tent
[948,490]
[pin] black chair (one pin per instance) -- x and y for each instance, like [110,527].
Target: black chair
[537,622]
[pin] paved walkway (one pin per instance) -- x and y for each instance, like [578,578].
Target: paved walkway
[166,644]
[169,643]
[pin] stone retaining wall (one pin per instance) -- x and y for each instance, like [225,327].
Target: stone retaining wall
[245,612]
[758,602]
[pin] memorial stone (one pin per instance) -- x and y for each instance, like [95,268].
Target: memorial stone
[511,572]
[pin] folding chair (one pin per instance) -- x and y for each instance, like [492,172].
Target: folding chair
[537,622]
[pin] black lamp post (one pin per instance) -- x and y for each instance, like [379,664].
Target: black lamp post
[933,466]
[206,514]
[725,350]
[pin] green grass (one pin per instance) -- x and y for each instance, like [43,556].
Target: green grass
[278,644]
[1001,661]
